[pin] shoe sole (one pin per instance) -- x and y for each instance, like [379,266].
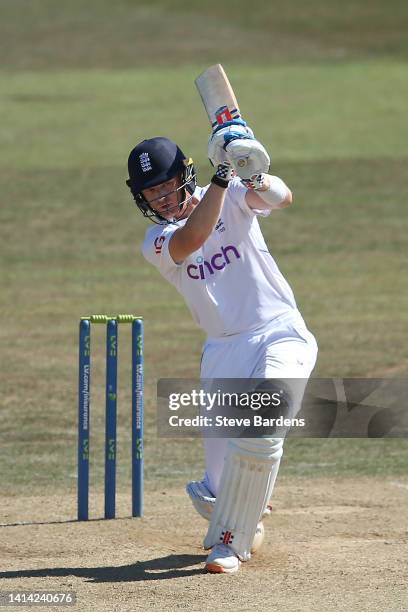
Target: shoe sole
[214,568]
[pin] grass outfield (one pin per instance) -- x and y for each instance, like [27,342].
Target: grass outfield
[43,34]
[336,129]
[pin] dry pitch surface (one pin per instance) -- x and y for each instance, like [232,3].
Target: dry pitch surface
[331,544]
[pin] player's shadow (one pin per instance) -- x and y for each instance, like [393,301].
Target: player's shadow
[163,568]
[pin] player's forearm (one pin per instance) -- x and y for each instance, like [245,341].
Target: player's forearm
[273,194]
[203,219]
[199,225]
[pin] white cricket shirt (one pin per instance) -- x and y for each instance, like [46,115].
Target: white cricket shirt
[232,283]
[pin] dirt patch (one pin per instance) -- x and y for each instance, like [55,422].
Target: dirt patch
[331,544]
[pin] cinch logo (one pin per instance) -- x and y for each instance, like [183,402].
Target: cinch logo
[217,262]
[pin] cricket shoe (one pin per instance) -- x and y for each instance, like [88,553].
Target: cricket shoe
[222,560]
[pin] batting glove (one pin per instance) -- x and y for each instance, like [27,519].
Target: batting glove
[223,174]
[255,182]
[222,137]
[250,161]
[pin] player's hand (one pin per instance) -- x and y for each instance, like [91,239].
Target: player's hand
[249,159]
[221,138]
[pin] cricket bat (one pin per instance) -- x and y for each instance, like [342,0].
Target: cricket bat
[218,96]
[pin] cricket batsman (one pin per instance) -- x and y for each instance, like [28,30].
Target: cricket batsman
[206,241]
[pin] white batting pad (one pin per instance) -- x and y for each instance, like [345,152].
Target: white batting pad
[247,481]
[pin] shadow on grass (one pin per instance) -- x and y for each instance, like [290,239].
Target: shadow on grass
[163,568]
[61,522]
[28,523]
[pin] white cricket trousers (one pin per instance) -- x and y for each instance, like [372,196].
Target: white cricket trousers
[284,348]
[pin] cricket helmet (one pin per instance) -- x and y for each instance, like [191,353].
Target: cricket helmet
[156,161]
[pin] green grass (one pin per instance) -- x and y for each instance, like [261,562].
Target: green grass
[88,119]
[44,34]
[324,88]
